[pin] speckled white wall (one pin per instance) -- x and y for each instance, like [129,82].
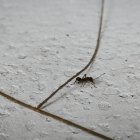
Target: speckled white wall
[44,42]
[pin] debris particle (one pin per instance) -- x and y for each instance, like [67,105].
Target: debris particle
[104,126]
[104,106]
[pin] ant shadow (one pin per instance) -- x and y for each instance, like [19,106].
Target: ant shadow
[70,89]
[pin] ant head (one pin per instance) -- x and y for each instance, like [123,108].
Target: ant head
[78,79]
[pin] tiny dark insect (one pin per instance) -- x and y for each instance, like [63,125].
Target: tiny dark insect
[86,79]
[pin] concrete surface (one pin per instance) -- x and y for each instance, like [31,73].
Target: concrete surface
[44,42]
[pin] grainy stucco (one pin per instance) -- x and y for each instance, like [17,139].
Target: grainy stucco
[44,42]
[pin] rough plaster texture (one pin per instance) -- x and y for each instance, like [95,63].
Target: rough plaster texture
[44,42]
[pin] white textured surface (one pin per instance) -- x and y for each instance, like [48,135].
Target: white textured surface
[44,42]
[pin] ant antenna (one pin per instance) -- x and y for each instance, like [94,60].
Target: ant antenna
[85,75]
[99,76]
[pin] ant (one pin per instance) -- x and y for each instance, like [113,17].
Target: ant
[86,79]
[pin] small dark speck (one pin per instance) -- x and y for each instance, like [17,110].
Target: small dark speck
[67,35]
[120,96]
[125,60]
[53,38]
[57,52]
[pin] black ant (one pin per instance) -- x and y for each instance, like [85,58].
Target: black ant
[86,79]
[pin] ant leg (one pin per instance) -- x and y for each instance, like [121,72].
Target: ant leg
[84,76]
[84,84]
[75,82]
[81,84]
[93,83]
